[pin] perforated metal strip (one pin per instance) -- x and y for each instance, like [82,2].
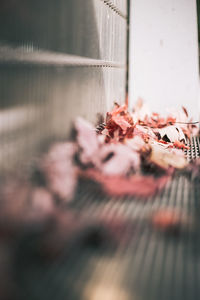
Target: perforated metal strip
[115,8]
[194,148]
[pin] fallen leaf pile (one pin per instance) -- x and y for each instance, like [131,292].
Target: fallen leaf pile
[129,145]
[124,156]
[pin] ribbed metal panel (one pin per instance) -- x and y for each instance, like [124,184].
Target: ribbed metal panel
[38,104]
[59,59]
[63,26]
[90,28]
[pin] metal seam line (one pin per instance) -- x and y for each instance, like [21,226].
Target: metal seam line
[29,55]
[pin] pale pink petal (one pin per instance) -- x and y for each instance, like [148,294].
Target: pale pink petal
[123,159]
[87,140]
[59,170]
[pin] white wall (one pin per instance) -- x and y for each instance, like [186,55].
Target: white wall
[164,54]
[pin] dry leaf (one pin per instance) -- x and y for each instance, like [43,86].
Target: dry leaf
[165,157]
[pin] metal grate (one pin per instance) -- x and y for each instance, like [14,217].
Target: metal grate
[153,265]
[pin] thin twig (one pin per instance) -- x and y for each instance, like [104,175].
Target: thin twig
[187,123]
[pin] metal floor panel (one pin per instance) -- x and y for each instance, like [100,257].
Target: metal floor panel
[154,265]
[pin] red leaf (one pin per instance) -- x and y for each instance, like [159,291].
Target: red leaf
[135,185]
[119,109]
[180,145]
[185,111]
[167,219]
[122,123]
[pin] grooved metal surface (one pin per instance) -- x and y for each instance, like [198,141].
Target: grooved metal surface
[31,56]
[154,265]
[39,104]
[59,59]
[88,28]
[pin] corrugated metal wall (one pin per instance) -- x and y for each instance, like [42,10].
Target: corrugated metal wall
[58,59]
